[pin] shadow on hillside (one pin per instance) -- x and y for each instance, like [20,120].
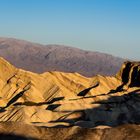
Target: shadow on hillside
[50,104]
[16,97]
[118,89]
[13,100]
[114,111]
[4,136]
[85,91]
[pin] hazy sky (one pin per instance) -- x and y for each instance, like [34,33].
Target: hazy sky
[111,26]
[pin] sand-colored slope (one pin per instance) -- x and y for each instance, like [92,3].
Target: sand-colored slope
[55,99]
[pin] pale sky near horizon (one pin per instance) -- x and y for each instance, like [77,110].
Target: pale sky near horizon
[109,26]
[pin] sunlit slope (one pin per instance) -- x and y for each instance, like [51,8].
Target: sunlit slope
[63,99]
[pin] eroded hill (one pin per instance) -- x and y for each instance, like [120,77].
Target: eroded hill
[57,99]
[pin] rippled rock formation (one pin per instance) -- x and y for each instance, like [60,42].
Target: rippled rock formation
[56,99]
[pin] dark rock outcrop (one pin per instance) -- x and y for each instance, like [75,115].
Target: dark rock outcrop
[129,74]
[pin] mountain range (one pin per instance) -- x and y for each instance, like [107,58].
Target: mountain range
[41,58]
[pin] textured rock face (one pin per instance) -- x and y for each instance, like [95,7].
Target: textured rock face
[130,74]
[51,98]
[56,99]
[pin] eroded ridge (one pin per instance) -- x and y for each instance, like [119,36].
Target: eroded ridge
[57,99]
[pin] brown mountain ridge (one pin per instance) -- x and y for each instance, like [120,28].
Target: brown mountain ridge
[41,58]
